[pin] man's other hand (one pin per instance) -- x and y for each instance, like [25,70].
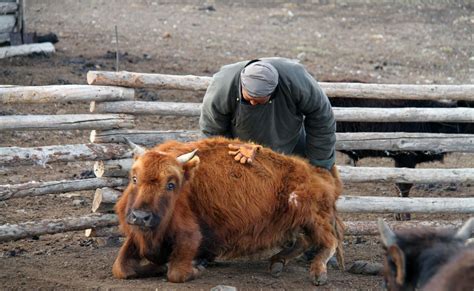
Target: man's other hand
[244,153]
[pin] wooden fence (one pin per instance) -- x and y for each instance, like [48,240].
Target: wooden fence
[113,110]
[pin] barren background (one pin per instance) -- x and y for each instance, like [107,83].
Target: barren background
[411,42]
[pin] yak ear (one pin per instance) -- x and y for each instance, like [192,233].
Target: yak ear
[398,259]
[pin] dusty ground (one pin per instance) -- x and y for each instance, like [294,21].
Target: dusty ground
[394,42]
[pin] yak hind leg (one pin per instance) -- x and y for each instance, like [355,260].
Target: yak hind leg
[403,191]
[128,265]
[321,236]
[279,260]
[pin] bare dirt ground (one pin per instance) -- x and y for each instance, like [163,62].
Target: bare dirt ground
[371,41]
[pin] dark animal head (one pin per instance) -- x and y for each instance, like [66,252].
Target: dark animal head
[156,181]
[413,256]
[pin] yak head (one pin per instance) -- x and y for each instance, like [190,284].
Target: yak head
[413,256]
[157,179]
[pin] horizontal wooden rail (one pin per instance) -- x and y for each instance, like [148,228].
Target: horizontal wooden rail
[368,204]
[121,168]
[8,7]
[14,156]
[66,122]
[400,141]
[34,188]
[352,90]
[63,93]
[355,114]
[10,232]
[371,227]
[356,228]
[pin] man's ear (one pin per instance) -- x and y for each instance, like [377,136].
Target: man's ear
[398,259]
[190,166]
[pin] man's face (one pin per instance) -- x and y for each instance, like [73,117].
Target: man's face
[254,101]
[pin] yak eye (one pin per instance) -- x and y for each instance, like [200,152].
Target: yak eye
[170,186]
[134,179]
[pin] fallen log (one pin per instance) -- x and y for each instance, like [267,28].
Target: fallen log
[371,204]
[104,199]
[103,232]
[34,188]
[10,232]
[113,168]
[66,122]
[356,114]
[394,141]
[45,48]
[14,156]
[63,93]
[343,90]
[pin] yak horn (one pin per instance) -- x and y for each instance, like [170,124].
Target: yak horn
[386,234]
[186,157]
[466,230]
[137,150]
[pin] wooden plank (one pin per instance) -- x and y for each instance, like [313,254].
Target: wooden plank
[66,122]
[104,199]
[14,156]
[45,48]
[10,232]
[368,204]
[63,93]
[34,188]
[343,90]
[393,141]
[353,114]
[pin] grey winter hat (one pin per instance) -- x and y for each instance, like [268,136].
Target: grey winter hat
[259,79]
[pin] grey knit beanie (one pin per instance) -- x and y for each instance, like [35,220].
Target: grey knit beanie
[259,79]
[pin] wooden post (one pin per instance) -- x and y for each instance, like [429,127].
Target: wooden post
[34,188]
[63,93]
[104,199]
[343,90]
[113,168]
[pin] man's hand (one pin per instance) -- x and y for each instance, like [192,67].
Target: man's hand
[244,153]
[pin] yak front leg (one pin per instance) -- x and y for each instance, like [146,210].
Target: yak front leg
[322,237]
[128,265]
[181,267]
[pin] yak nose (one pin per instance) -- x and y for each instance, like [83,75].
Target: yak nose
[140,218]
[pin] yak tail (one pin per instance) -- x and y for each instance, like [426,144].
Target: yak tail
[339,234]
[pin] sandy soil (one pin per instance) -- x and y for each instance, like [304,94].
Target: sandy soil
[404,42]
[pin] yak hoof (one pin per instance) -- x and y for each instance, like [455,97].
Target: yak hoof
[322,279]
[276,269]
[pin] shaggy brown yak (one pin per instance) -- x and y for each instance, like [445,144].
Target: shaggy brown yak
[183,207]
